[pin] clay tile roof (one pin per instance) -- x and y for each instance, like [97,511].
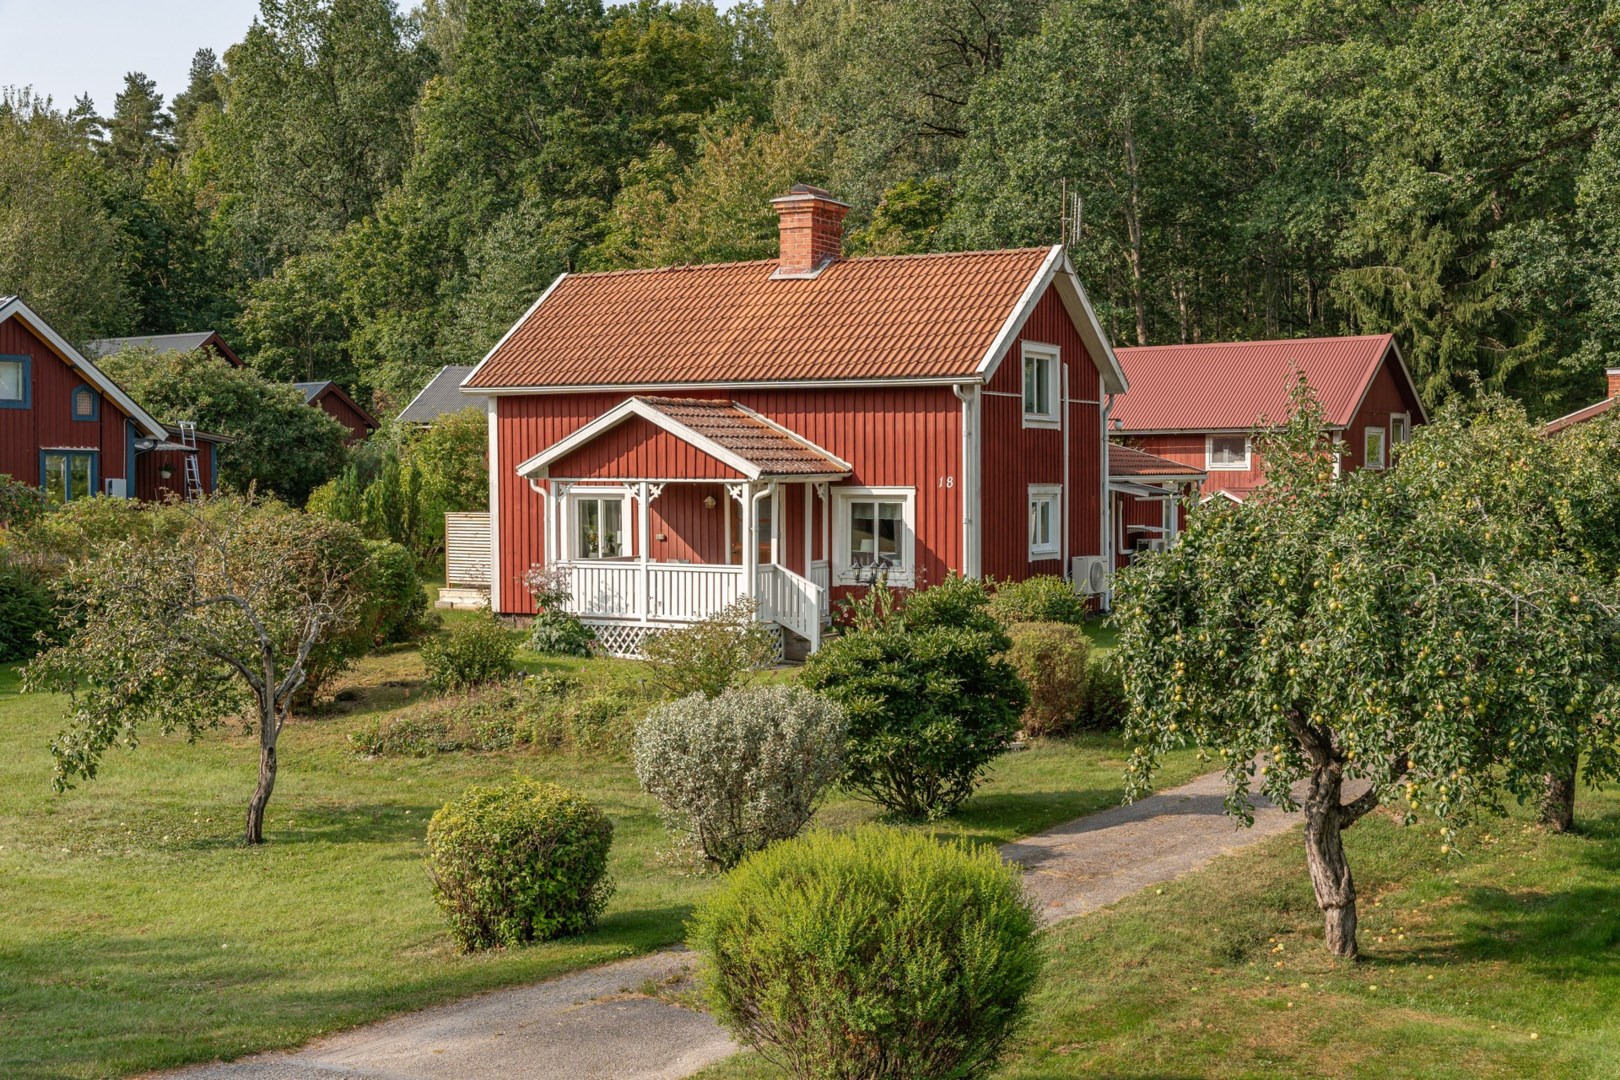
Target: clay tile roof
[1232,386]
[774,450]
[908,316]
[1129,461]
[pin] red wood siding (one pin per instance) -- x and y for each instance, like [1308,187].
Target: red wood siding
[691,531]
[1014,457]
[901,437]
[639,447]
[344,413]
[49,421]
[150,483]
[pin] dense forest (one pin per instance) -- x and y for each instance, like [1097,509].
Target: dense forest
[360,192]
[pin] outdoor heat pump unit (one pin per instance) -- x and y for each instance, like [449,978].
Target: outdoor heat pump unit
[117,487]
[1089,574]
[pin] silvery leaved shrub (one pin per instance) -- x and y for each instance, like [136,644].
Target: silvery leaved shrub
[743,769]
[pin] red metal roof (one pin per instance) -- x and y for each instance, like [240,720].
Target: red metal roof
[1129,461]
[1584,413]
[1233,386]
[908,316]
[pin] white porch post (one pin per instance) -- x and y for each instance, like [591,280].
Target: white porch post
[809,531]
[750,540]
[643,542]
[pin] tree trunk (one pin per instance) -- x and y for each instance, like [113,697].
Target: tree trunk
[1330,871]
[261,794]
[1558,800]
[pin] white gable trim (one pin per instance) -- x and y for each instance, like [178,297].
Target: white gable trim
[76,360]
[473,374]
[539,466]
[1057,268]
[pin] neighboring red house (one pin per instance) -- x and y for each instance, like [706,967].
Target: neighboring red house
[1199,405]
[335,402]
[1587,412]
[181,343]
[795,427]
[67,427]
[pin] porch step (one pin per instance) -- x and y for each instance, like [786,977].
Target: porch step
[459,599]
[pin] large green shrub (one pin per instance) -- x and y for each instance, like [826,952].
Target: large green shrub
[742,770]
[1051,659]
[880,954]
[27,610]
[519,863]
[20,503]
[476,651]
[929,709]
[710,656]
[957,601]
[396,590]
[1038,599]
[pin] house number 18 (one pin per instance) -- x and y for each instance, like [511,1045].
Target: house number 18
[947,481]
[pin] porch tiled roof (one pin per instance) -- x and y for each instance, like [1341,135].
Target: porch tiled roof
[1129,461]
[908,316]
[773,450]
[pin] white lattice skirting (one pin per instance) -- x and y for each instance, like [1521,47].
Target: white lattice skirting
[624,639]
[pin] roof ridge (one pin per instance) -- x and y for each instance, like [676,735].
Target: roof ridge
[692,267]
[1251,344]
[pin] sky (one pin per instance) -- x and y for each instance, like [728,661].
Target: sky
[64,48]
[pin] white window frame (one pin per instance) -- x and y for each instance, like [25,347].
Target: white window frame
[1050,361]
[578,495]
[1051,496]
[845,572]
[1404,421]
[1367,437]
[1209,454]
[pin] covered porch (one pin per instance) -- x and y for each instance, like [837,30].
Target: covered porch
[668,510]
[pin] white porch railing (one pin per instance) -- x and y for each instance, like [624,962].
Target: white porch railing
[821,574]
[793,601]
[679,593]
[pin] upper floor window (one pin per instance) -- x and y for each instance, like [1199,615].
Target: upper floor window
[86,404]
[14,387]
[1227,452]
[1373,458]
[1042,391]
[1400,429]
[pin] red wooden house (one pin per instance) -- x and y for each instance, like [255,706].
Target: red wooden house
[69,428]
[793,428]
[1200,404]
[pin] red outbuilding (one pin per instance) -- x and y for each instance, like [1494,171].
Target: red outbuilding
[335,402]
[67,427]
[1201,404]
[794,428]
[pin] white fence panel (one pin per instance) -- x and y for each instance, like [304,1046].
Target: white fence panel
[466,550]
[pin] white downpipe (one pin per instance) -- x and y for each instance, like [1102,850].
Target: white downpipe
[643,542]
[1107,507]
[969,396]
[1064,500]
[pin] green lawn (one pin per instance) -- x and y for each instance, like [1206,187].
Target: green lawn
[139,933]
[1503,963]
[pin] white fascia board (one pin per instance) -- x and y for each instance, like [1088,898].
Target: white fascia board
[538,466]
[758,384]
[473,374]
[1019,314]
[76,360]
[1406,373]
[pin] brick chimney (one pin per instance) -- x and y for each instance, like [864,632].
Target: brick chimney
[812,230]
[1614,381]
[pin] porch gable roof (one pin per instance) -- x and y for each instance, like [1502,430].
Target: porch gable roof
[726,431]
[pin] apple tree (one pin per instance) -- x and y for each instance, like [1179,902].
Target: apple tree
[1397,631]
[183,630]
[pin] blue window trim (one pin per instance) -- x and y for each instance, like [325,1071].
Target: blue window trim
[95,471]
[95,405]
[27,401]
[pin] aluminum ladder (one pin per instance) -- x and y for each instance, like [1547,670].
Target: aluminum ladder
[188,440]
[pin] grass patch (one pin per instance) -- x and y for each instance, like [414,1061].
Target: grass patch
[1503,963]
[140,933]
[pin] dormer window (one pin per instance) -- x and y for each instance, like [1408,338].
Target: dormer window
[86,404]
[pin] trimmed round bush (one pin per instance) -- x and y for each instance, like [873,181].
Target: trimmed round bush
[523,862]
[742,770]
[1051,659]
[475,652]
[929,709]
[1046,598]
[396,591]
[880,954]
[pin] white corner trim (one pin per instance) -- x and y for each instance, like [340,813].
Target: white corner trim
[495,511]
[77,361]
[473,374]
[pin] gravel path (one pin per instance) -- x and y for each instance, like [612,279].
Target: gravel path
[598,1025]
